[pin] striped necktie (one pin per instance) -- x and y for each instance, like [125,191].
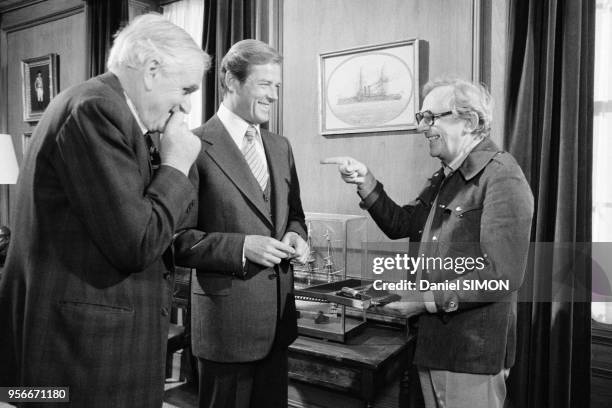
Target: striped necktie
[254,159]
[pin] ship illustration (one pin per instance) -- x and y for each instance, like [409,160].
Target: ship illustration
[319,267]
[375,91]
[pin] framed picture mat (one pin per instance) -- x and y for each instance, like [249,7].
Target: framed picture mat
[372,88]
[39,83]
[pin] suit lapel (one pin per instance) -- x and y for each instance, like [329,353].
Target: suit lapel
[278,178]
[142,150]
[229,158]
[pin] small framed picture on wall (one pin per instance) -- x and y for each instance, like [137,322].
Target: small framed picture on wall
[40,84]
[370,89]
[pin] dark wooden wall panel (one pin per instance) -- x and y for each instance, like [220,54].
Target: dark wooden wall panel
[38,29]
[39,12]
[65,37]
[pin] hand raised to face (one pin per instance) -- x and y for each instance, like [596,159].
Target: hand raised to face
[179,147]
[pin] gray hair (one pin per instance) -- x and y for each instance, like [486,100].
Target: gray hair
[151,36]
[243,55]
[467,98]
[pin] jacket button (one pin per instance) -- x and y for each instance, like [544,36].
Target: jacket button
[434,238]
[272,276]
[164,311]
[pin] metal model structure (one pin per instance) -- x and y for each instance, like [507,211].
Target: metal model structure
[320,267]
[323,288]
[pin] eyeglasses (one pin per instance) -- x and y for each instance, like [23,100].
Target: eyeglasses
[429,117]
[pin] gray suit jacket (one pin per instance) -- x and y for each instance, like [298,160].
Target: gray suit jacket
[235,318]
[85,293]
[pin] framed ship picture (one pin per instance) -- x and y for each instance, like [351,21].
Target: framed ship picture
[39,76]
[370,89]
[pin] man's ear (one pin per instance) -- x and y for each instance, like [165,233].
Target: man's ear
[471,122]
[151,71]
[230,81]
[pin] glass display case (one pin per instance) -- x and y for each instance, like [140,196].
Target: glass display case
[329,284]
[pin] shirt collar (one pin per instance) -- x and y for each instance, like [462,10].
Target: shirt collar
[235,125]
[458,161]
[130,104]
[479,157]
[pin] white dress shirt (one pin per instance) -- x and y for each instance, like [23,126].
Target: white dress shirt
[237,127]
[130,104]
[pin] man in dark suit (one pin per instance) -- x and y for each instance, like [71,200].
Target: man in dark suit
[87,286]
[250,224]
[478,206]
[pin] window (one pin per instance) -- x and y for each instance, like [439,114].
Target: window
[189,15]
[602,141]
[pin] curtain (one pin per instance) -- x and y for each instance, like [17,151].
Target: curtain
[549,131]
[601,310]
[225,22]
[188,15]
[104,18]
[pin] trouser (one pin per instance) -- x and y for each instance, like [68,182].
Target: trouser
[256,384]
[447,389]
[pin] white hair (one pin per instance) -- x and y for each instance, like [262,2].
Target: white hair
[151,36]
[467,98]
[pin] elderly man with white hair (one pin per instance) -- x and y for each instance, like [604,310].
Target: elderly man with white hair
[87,286]
[478,206]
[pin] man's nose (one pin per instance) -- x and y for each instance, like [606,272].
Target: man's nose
[186,104]
[273,94]
[422,126]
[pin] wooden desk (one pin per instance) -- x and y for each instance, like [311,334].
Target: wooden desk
[361,367]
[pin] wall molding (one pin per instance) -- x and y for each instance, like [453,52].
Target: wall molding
[21,25]
[10,5]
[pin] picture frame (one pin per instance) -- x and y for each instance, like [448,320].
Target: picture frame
[372,88]
[40,85]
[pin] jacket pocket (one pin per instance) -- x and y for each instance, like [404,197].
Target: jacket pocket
[463,223]
[211,285]
[95,307]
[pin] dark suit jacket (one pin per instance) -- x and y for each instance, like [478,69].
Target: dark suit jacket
[85,294]
[483,210]
[234,319]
